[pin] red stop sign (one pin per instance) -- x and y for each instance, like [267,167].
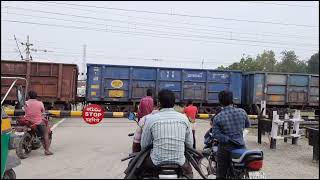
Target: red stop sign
[93,114]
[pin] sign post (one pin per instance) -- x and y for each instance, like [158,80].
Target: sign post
[93,114]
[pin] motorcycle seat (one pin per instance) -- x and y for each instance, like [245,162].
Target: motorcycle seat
[169,166]
[169,169]
[246,155]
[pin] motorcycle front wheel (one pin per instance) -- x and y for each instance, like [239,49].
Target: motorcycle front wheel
[9,174]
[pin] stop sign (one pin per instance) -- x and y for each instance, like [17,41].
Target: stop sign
[93,114]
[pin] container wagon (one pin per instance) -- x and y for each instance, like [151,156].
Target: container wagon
[283,91]
[120,88]
[55,84]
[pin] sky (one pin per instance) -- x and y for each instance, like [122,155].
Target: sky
[159,34]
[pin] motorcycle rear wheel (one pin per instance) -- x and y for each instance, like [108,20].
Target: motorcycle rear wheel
[24,146]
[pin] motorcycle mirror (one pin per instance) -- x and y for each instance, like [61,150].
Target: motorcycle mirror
[20,97]
[132,116]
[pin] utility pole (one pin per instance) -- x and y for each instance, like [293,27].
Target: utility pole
[84,62]
[202,63]
[27,44]
[18,47]
[28,49]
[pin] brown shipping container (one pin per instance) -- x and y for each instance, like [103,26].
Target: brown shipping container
[53,82]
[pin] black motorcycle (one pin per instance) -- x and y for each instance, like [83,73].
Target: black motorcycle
[244,163]
[169,171]
[30,138]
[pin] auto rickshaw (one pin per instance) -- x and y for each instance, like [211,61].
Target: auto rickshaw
[8,139]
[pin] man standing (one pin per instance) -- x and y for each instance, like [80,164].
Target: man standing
[145,105]
[228,128]
[136,147]
[33,113]
[169,131]
[191,112]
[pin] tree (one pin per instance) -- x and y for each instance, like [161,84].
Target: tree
[266,61]
[221,68]
[245,64]
[313,64]
[291,63]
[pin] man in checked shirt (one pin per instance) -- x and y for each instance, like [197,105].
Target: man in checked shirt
[228,128]
[169,131]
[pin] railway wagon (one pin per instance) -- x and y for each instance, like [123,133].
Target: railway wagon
[120,88]
[281,90]
[55,84]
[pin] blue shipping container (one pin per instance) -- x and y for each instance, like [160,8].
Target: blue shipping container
[281,88]
[113,83]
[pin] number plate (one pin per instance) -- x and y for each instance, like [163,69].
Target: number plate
[116,93]
[257,175]
[19,133]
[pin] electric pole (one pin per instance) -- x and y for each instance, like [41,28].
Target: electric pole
[202,63]
[28,49]
[27,44]
[83,74]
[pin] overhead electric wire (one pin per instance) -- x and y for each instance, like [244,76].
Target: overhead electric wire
[275,34]
[161,25]
[187,15]
[120,57]
[137,58]
[279,4]
[136,33]
[179,34]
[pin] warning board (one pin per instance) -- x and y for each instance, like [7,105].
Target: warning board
[93,114]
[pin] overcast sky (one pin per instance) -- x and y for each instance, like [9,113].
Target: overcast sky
[123,33]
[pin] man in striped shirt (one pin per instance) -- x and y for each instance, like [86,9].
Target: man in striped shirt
[169,131]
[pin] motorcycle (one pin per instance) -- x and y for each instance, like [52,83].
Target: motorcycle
[8,138]
[12,162]
[165,171]
[30,139]
[244,163]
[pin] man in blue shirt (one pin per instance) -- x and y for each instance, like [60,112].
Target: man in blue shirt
[228,128]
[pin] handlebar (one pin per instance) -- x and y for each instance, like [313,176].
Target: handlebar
[132,155]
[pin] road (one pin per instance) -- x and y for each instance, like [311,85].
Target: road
[84,151]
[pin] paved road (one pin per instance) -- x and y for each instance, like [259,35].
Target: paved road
[84,151]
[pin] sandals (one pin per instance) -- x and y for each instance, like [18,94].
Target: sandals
[48,153]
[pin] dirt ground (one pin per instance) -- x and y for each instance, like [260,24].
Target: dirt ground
[86,152]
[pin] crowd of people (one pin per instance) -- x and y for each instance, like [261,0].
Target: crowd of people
[170,128]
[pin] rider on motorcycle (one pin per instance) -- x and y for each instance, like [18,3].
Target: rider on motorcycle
[33,113]
[136,147]
[169,132]
[228,128]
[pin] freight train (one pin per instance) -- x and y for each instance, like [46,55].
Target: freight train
[55,84]
[119,88]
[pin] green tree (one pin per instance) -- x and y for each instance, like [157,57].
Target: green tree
[291,63]
[245,64]
[222,68]
[266,61]
[313,64]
